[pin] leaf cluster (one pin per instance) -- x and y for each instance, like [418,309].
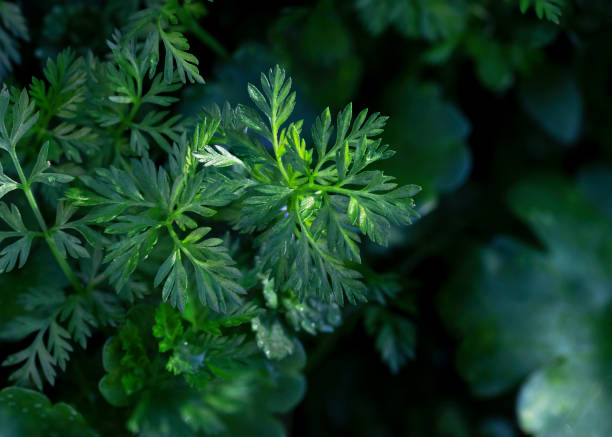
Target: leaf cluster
[200,249]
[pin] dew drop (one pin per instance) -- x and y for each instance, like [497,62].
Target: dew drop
[24,410]
[38,405]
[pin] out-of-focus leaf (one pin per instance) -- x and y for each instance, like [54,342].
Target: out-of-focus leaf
[430,136]
[395,336]
[331,75]
[595,183]
[427,19]
[272,338]
[227,84]
[554,102]
[27,412]
[548,311]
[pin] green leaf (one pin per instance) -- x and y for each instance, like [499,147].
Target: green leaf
[175,285]
[39,173]
[432,20]
[23,118]
[313,315]
[333,220]
[271,338]
[309,210]
[126,358]
[26,412]
[12,27]
[80,319]
[67,243]
[560,295]
[565,399]
[12,217]
[168,327]
[549,9]
[67,78]
[431,135]
[156,126]
[18,250]
[276,101]
[395,336]
[217,156]
[176,55]
[6,183]
[554,102]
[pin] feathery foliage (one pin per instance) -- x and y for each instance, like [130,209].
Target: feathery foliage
[128,199]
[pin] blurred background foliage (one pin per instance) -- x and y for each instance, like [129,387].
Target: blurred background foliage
[498,316]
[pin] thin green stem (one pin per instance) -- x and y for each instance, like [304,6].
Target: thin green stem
[339,190]
[124,124]
[25,186]
[177,241]
[64,264]
[279,161]
[304,228]
[42,126]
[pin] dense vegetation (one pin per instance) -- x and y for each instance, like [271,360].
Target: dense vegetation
[199,236]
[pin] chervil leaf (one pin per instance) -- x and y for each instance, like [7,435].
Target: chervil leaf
[33,356]
[63,119]
[80,320]
[40,174]
[272,338]
[38,355]
[168,327]
[157,126]
[276,101]
[176,55]
[311,207]
[158,23]
[217,156]
[6,183]
[312,315]
[146,204]
[66,90]
[22,119]
[175,283]
[18,250]
[46,311]
[395,336]
[549,9]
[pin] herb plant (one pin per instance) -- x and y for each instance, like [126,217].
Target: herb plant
[191,245]
[200,248]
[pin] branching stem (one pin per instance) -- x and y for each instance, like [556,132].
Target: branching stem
[25,186]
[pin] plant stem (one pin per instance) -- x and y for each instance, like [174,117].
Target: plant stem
[339,190]
[25,186]
[275,147]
